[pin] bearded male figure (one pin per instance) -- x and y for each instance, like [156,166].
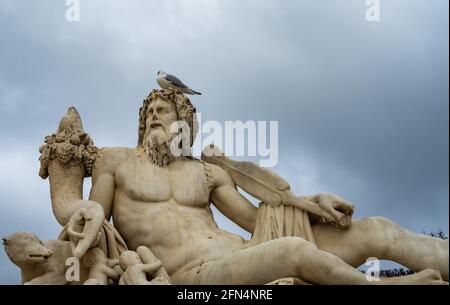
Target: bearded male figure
[162,201]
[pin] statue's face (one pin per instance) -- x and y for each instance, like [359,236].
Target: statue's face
[157,138]
[161,114]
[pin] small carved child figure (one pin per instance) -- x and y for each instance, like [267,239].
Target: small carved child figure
[102,271]
[136,272]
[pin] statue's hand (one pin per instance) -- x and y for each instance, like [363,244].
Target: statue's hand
[112,263]
[84,228]
[340,209]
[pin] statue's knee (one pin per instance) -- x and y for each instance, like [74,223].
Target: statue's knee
[375,224]
[376,232]
[294,249]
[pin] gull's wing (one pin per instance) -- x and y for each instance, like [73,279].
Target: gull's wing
[175,81]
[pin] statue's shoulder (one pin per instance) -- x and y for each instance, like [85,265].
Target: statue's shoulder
[220,176]
[109,158]
[215,174]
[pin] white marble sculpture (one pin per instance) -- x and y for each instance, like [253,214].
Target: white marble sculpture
[164,231]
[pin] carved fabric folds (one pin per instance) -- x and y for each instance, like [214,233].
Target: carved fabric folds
[110,242]
[282,221]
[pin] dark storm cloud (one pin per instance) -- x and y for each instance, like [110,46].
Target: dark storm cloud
[362,107]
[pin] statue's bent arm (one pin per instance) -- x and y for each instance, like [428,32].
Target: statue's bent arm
[103,183]
[230,202]
[102,192]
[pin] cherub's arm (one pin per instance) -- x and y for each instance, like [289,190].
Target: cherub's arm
[230,202]
[111,273]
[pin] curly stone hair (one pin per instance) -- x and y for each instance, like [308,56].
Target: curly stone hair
[184,108]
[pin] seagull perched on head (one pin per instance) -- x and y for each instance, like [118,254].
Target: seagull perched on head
[168,81]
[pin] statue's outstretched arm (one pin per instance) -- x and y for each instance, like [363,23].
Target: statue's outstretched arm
[66,158]
[273,190]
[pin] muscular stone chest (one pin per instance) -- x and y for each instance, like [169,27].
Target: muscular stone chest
[183,181]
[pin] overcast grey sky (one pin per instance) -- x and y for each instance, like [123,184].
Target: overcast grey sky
[362,107]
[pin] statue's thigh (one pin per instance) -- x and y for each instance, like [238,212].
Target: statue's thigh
[256,265]
[352,245]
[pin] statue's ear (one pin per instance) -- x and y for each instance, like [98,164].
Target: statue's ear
[5,241]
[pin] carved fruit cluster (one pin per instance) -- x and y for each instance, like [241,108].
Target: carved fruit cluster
[65,146]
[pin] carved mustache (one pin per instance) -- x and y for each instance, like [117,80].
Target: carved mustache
[156,124]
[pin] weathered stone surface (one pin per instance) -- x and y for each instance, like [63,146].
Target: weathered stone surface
[164,231]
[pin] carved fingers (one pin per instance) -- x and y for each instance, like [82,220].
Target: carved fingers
[112,263]
[84,228]
[340,209]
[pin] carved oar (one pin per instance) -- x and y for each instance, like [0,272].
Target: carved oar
[266,186]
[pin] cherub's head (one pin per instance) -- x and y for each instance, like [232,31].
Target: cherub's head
[129,258]
[24,247]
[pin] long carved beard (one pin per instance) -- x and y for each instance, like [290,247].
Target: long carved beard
[157,148]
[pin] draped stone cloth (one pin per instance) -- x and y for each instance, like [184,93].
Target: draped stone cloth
[110,242]
[275,222]
[282,221]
